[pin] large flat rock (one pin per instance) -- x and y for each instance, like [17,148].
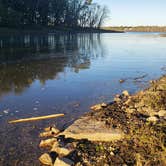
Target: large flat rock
[93,130]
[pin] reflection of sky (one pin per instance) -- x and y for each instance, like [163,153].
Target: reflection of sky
[136,12]
[119,56]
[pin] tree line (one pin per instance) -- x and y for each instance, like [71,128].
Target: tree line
[52,13]
[138,28]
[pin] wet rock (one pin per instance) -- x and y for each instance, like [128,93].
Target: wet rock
[48,128]
[152,81]
[152,119]
[50,132]
[121,81]
[117,99]
[125,93]
[76,105]
[61,150]
[55,130]
[54,146]
[98,106]
[63,162]
[6,111]
[46,159]
[46,134]
[47,143]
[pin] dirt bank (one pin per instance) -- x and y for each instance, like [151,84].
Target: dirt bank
[140,118]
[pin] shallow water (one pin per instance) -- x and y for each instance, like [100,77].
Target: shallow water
[49,73]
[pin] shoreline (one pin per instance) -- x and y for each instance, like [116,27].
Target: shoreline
[157,29]
[58,30]
[140,119]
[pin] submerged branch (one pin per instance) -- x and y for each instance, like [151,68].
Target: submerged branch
[36,118]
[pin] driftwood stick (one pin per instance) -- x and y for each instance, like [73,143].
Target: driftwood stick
[36,118]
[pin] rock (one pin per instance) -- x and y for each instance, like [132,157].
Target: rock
[6,111]
[71,146]
[112,153]
[128,102]
[125,93]
[152,81]
[98,106]
[61,151]
[63,162]
[46,134]
[130,110]
[162,113]
[152,119]
[50,131]
[47,128]
[104,105]
[93,130]
[45,159]
[54,146]
[121,81]
[47,143]
[117,99]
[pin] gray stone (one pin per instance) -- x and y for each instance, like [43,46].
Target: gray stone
[93,130]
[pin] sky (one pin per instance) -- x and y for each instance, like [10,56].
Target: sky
[135,12]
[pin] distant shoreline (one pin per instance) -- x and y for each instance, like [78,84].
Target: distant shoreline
[137,28]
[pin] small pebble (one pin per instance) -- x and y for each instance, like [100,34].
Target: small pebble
[35,109]
[152,119]
[125,93]
[121,81]
[6,111]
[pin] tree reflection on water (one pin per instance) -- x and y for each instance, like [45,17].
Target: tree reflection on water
[25,58]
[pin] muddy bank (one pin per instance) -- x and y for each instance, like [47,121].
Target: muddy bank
[139,119]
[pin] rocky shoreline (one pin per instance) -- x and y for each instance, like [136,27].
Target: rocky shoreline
[131,130]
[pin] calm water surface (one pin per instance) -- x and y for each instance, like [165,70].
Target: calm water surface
[47,74]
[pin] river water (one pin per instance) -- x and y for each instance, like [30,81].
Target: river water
[43,74]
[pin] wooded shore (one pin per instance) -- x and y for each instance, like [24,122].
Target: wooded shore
[58,30]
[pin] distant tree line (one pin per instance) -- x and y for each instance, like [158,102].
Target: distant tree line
[138,28]
[66,13]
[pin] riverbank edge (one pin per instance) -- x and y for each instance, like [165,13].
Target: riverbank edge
[141,117]
[58,30]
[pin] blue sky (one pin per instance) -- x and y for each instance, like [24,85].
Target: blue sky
[135,12]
